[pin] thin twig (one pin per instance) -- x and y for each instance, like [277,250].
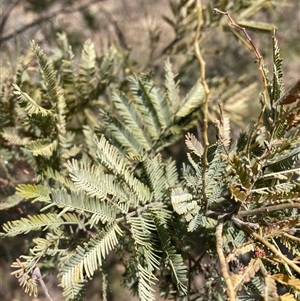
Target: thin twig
[240,223]
[263,210]
[271,247]
[219,245]
[291,237]
[37,276]
[258,56]
[205,104]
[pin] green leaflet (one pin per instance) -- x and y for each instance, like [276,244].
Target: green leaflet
[37,222]
[31,106]
[150,117]
[49,73]
[88,258]
[87,70]
[110,158]
[192,101]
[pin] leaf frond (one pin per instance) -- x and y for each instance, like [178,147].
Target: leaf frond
[88,258]
[32,107]
[38,222]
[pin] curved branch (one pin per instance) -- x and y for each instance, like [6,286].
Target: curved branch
[219,245]
[263,210]
[202,64]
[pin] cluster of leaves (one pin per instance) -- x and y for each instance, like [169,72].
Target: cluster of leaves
[113,183]
[105,182]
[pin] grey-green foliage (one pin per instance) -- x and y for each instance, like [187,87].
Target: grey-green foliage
[113,185]
[105,182]
[250,184]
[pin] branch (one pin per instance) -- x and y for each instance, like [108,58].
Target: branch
[36,275]
[241,223]
[219,245]
[268,209]
[258,56]
[271,247]
[205,104]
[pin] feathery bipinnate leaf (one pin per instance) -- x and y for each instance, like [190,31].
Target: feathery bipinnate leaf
[150,117]
[161,175]
[277,85]
[74,291]
[31,106]
[270,290]
[146,257]
[182,202]
[11,135]
[87,178]
[194,145]
[49,73]
[28,284]
[87,70]
[56,96]
[68,79]
[172,88]
[36,193]
[110,157]
[152,105]
[78,201]
[11,201]
[107,63]
[120,135]
[286,158]
[42,147]
[191,102]
[133,119]
[59,178]
[171,257]
[223,128]
[86,259]
[39,222]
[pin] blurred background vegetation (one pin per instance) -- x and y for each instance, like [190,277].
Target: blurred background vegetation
[145,33]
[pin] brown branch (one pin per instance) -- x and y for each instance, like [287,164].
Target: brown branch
[268,209]
[241,223]
[37,276]
[258,56]
[272,248]
[205,104]
[219,245]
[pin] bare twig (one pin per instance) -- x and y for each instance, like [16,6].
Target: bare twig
[205,104]
[219,244]
[258,56]
[291,237]
[240,223]
[37,276]
[263,210]
[273,249]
